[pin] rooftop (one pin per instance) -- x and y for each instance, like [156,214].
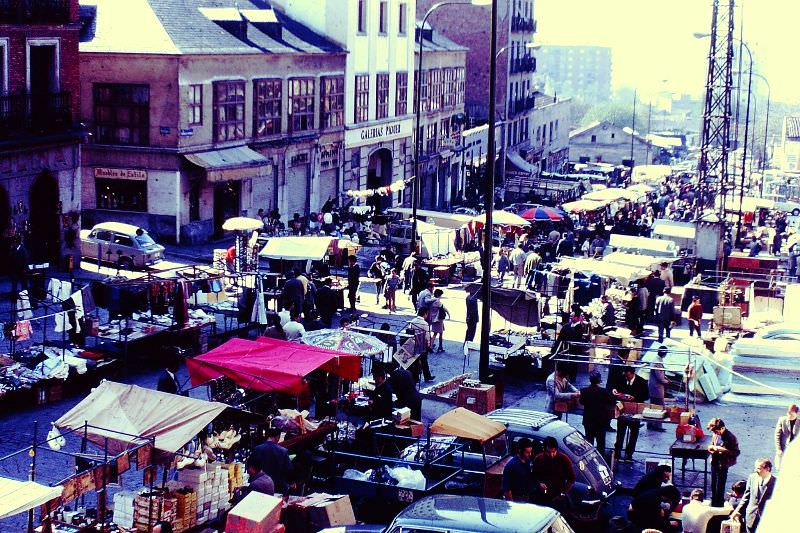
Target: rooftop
[792,127]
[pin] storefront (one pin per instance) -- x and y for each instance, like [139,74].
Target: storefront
[376,156]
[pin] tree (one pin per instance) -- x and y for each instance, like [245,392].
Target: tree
[618,113]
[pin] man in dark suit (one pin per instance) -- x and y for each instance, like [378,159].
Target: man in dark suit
[631,388]
[353,279]
[758,490]
[326,303]
[598,404]
[167,382]
[274,461]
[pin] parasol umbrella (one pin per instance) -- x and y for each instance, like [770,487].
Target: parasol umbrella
[242,224]
[581,206]
[501,218]
[342,340]
[541,212]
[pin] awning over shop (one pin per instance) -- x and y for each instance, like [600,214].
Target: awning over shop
[19,496]
[622,273]
[678,230]
[582,206]
[296,248]
[270,364]
[649,262]
[127,414]
[461,422]
[229,163]
[436,240]
[516,164]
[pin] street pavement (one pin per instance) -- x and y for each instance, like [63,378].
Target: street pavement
[752,424]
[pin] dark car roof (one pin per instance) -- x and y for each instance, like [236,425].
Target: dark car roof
[474,514]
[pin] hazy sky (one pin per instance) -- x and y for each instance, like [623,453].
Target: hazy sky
[652,40]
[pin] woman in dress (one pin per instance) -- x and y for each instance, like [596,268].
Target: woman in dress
[436,317]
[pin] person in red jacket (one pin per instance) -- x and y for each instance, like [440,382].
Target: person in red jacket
[553,475]
[695,316]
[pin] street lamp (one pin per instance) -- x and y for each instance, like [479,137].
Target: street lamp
[766,133]
[746,127]
[417,99]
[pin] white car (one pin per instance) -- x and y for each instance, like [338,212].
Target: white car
[125,245]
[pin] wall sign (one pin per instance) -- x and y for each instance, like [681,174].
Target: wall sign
[120,173]
[377,133]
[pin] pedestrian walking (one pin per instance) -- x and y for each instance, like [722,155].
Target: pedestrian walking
[503,265]
[437,314]
[353,279]
[785,431]
[656,385]
[757,492]
[390,292]
[419,280]
[695,317]
[598,406]
[376,271]
[421,330]
[517,258]
[724,450]
[408,270]
[472,317]
[664,313]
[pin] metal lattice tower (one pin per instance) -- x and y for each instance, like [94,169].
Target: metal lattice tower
[715,140]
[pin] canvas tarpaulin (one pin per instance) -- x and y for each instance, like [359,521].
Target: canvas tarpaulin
[113,409]
[296,248]
[517,306]
[270,364]
[19,496]
[461,422]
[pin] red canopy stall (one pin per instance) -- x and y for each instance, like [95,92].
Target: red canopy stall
[270,364]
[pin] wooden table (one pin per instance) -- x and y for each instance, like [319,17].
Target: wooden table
[690,450]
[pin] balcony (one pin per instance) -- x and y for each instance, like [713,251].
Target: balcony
[25,114]
[34,11]
[522,24]
[523,64]
[520,105]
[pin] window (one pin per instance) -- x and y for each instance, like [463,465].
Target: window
[613,135]
[120,195]
[122,114]
[401,99]
[4,65]
[449,87]
[460,85]
[195,105]
[332,101]
[267,106]
[594,138]
[382,102]
[362,16]
[301,104]
[383,16]
[228,110]
[430,144]
[444,131]
[424,95]
[362,98]
[402,18]
[437,90]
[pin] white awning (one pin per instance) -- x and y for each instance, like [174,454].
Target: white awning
[674,229]
[296,248]
[630,243]
[19,496]
[229,163]
[520,163]
[650,262]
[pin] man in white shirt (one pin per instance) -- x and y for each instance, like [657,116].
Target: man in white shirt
[425,297]
[666,275]
[294,329]
[517,258]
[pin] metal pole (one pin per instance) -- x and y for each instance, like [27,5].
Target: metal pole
[766,133]
[744,153]
[486,289]
[32,473]
[633,126]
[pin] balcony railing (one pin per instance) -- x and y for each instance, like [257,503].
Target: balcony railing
[34,11]
[522,24]
[23,114]
[520,105]
[523,64]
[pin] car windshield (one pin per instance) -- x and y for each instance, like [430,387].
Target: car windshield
[145,240]
[577,444]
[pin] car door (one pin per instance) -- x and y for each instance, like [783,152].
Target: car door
[97,244]
[124,247]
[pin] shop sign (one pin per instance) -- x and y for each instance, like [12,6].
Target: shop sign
[120,173]
[379,133]
[329,155]
[187,132]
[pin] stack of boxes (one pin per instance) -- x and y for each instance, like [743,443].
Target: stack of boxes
[236,477]
[123,508]
[210,484]
[187,509]
[150,509]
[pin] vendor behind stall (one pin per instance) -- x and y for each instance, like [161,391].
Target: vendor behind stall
[381,398]
[274,461]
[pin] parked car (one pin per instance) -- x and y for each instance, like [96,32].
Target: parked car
[468,514]
[594,480]
[122,244]
[771,356]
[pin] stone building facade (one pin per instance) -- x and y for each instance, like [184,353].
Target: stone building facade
[39,132]
[199,115]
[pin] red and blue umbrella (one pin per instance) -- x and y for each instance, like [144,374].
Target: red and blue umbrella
[542,212]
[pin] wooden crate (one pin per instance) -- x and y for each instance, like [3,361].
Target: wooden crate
[480,400]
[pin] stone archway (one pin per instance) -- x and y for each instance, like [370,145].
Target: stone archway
[379,174]
[45,230]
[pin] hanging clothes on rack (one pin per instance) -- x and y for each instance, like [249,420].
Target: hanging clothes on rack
[180,308]
[23,330]
[24,310]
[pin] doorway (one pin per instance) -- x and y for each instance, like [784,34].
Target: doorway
[227,203]
[43,69]
[379,174]
[45,230]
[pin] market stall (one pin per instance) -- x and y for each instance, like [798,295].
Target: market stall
[270,364]
[643,245]
[646,262]
[20,496]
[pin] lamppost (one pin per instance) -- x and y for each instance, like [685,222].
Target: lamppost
[737,239]
[766,133]
[486,278]
[418,114]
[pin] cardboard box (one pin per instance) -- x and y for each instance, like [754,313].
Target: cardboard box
[727,316]
[410,428]
[331,510]
[480,400]
[256,513]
